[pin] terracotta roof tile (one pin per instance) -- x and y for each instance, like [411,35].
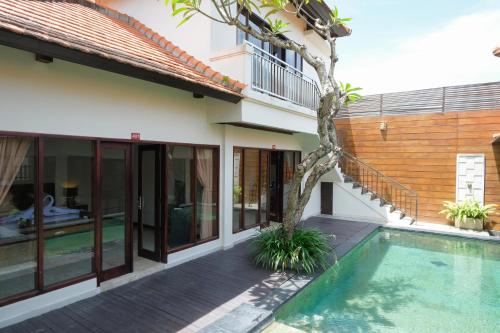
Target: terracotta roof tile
[96,29]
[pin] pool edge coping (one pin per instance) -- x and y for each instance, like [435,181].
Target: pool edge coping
[263,318]
[270,319]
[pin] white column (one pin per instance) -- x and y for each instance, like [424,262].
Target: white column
[227,188]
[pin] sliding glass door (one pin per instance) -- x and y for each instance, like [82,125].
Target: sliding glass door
[149,202]
[18,241]
[115,202]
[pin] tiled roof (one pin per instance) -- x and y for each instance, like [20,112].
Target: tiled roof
[95,29]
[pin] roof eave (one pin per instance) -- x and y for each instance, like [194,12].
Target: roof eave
[32,44]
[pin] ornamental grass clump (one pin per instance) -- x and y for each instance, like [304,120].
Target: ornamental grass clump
[469,209]
[306,251]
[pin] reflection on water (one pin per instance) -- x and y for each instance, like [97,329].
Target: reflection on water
[404,282]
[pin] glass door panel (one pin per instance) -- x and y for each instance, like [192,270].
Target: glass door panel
[275,186]
[149,214]
[115,210]
[288,172]
[251,188]
[264,188]
[18,245]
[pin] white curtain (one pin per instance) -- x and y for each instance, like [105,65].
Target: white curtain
[12,153]
[205,171]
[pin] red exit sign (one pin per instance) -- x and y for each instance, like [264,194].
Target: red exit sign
[135,136]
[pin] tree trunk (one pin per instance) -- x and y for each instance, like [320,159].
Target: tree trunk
[314,165]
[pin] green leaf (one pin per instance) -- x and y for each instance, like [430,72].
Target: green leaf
[185,20]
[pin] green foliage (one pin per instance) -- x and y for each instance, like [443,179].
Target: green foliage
[467,209]
[186,8]
[237,191]
[350,93]
[334,16]
[306,251]
[277,26]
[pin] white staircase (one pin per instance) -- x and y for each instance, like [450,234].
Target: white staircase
[363,193]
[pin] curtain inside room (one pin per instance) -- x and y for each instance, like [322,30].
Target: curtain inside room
[13,150]
[205,172]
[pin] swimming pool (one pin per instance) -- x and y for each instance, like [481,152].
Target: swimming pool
[402,281]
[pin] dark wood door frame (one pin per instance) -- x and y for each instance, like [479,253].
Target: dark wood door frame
[277,214]
[327,198]
[128,266]
[156,254]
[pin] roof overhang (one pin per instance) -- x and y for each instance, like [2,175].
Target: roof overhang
[37,46]
[322,11]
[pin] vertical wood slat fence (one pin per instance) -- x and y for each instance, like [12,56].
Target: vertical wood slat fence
[483,96]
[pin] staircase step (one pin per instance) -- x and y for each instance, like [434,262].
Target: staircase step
[355,185]
[374,196]
[392,209]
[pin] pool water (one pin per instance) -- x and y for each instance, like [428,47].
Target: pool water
[399,281]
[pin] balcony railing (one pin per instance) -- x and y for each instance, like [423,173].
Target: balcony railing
[273,76]
[388,190]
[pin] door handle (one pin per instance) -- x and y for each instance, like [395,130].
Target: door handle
[139,203]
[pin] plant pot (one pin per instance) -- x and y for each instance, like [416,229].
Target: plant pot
[470,224]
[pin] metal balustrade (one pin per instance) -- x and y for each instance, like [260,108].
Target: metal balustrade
[388,190]
[273,76]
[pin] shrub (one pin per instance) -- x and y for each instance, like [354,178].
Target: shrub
[467,209]
[306,251]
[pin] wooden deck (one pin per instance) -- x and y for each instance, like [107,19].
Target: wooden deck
[186,298]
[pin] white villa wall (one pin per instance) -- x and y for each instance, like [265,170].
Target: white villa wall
[204,38]
[69,99]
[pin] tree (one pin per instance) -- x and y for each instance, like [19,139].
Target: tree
[333,94]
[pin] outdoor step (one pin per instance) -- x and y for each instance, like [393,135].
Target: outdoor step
[392,209]
[374,196]
[355,185]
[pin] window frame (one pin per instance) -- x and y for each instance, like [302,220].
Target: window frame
[252,17]
[39,154]
[296,153]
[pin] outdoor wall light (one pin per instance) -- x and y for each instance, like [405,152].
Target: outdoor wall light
[43,58]
[383,126]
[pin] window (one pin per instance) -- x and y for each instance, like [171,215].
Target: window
[288,171]
[251,188]
[206,193]
[256,23]
[264,187]
[180,196]
[237,188]
[18,245]
[68,223]
[192,174]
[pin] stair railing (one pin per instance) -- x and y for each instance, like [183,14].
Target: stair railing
[387,189]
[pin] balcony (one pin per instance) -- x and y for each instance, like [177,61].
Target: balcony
[275,91]
[273,76]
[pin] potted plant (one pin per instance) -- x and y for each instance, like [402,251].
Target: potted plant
[469,214]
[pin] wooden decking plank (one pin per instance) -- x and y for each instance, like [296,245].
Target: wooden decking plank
[197,292]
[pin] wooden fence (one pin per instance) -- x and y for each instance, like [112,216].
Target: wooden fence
[483,96]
